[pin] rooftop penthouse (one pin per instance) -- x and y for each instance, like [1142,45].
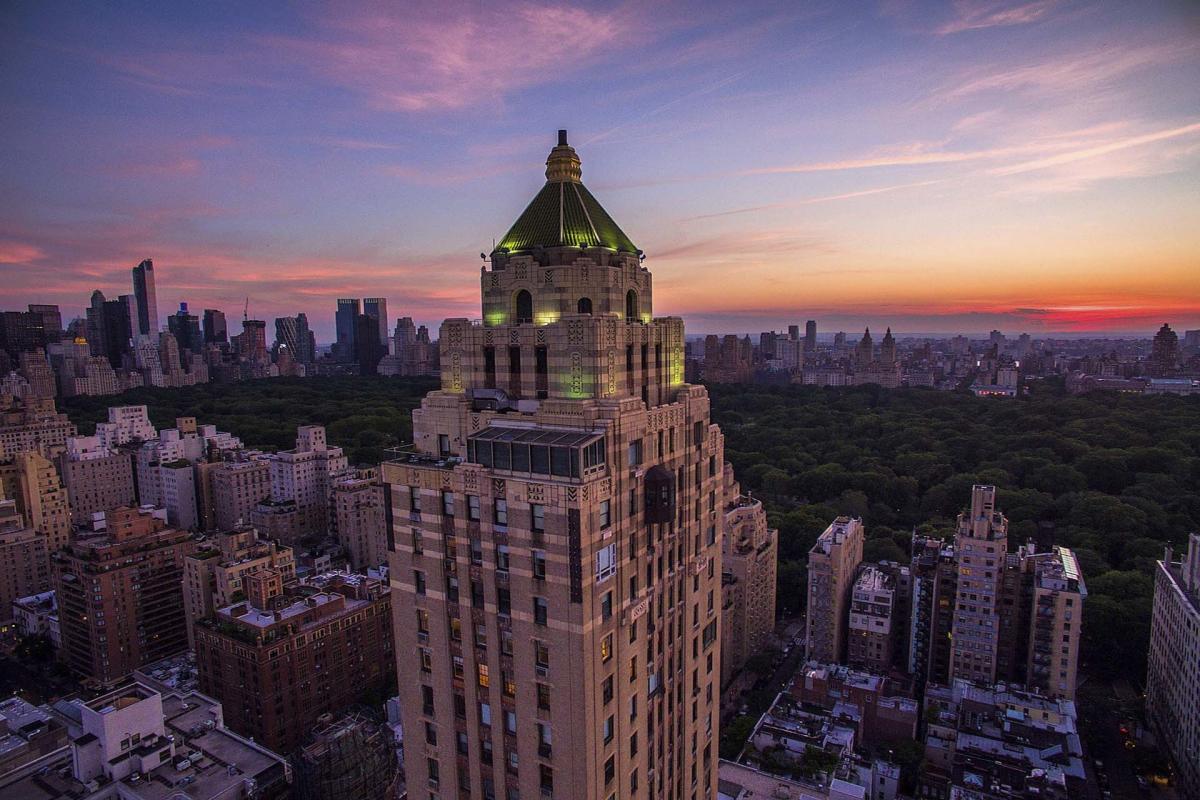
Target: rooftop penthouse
[837,533]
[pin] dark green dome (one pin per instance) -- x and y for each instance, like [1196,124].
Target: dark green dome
[564,213]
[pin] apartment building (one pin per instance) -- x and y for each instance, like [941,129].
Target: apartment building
[24,568]
[832,562]
[750,555]
[120,594]
[360,519]
[237,487]
[31,480]
[873,621]
[278,662]
[1173,674]
[32,425]
[97,478]
[305,476]
[213,574]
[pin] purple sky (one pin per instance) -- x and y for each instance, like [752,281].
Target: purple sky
[933,167]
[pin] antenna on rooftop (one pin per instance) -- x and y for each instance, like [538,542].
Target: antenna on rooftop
[246,310]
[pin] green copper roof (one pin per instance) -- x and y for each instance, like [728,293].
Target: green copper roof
[564,214]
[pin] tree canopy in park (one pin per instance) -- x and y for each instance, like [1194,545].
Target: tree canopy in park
[1115,477]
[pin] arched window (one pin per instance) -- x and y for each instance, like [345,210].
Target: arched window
[631,306]
[524,307]
[585,305]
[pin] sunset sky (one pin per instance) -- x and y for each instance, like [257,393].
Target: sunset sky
[1031,166]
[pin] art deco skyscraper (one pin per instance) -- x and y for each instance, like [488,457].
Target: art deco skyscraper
[555,535]
[147,301]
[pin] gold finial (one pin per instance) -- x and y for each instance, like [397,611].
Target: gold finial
[563,163]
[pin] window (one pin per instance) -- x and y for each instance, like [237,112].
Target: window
[418,547]
[510,721]
[509,684]
[606,647]
[606,606]
[539,610]
[605,513]
[606,690]
[593,454]
[500,511]
[419,581]
[422,621]
[584,305]
[503,601]
[539,565]
[631,306]
[414,498]
[484,678]
[443,445]
[606,562]
[538,515]
[431,764]
[448,503]
[426,660]
[610,769]
[524,307]
[485,714]
[430,733]
[427,700]
[502,558]
[541,653]
[543,697]
[635,452]
[606,730]
[473,507]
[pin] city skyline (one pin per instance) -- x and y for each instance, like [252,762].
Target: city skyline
[1027,167]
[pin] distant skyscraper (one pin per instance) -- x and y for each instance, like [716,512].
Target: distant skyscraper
[810,336]
[147,300]
[794,332]
[215,331]
[185,328]
[348,309]
[368,350]
[293,333]
[376,309]
[865,353]
[109,327]
[1164,356]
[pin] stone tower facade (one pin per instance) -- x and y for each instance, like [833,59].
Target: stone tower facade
[555,533]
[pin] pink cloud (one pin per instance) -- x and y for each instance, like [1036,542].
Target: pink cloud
[975,14]
[452,56]
[183,166]
[19,252]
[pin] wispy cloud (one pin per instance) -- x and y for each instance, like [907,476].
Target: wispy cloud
[975,14]
[1083,69]
[808,201]
[451,55]
[1095,151]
